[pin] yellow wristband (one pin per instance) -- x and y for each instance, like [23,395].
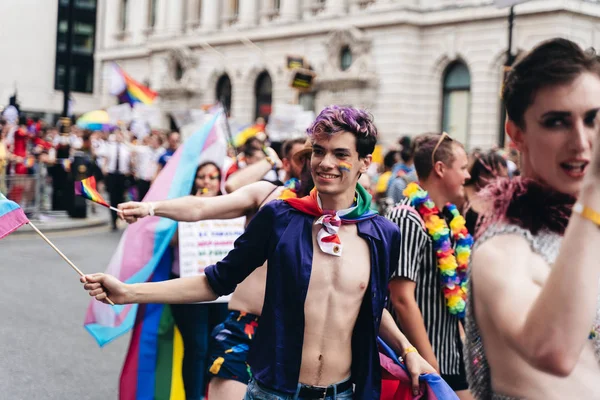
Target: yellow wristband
[270,160]
[411,349]
[587,213]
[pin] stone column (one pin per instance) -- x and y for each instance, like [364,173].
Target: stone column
[248,13]
[211,15]
[162,9]
[290,10]
[336,7]
[175,17]
[138,20]
[192,14]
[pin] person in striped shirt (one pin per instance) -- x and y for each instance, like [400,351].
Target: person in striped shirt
[416,296]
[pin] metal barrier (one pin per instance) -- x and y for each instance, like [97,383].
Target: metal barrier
[32,191]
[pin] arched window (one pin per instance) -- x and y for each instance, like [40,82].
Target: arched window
[263,91]
[456,101]
[345,58]
[224,92]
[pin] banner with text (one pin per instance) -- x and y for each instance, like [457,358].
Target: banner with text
[203,243]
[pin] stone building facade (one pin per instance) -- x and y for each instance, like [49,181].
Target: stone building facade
[417,65]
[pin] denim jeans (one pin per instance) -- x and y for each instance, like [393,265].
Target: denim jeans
[256,392]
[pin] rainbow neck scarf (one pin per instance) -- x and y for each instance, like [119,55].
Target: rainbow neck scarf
[453,267]
[331,220]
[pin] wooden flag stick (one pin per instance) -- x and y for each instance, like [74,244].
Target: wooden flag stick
[62,255]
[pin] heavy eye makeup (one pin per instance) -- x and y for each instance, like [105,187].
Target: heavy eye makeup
[560,119]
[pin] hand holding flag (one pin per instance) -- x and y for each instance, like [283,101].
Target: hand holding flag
[12,218]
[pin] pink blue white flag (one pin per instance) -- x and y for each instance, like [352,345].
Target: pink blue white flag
[143,243]
[12,216]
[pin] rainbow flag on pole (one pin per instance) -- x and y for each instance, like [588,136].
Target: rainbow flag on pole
[12,216]
[128,89]
[87,189]
[140,257]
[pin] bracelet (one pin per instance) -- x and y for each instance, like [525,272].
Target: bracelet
[151,211]
[587,213]
[270,160]
[411,349]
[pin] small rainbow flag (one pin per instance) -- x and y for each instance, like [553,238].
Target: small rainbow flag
[12,216]
[246,133]
[87,189]
[128,89]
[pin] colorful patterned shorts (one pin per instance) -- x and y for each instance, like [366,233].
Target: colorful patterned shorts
[229,347]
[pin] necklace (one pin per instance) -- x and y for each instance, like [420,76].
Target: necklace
[452,263]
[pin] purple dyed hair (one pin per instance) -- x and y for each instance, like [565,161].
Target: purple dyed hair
[336,119]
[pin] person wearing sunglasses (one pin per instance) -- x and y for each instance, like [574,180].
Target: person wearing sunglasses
[423,298]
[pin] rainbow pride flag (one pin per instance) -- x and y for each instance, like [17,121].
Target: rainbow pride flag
[12,216]
[87,189]
[128,89]
[246,133]
[140,257]
[152,368]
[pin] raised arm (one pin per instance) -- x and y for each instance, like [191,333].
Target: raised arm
[253,173]
[195,208]
[251,250]
[547,324]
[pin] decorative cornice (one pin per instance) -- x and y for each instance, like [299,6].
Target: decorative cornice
[396,15]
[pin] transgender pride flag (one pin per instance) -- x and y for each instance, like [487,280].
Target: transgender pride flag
[143,244]
[11,216]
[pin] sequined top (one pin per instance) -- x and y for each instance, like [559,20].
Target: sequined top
[547,245]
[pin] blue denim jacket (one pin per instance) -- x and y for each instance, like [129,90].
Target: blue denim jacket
[283,236]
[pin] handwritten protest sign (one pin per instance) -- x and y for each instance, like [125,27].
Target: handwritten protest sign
[204,243]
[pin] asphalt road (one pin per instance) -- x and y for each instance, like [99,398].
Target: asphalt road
[45,353]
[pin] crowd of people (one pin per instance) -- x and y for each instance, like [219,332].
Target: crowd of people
[478,267]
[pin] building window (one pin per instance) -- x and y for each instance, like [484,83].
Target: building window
[123,16]
[345,58]
[263,91]
[152,4]
[276,5]
[83,42]
[307,100]
[178,71]
[223,92]
[456,101]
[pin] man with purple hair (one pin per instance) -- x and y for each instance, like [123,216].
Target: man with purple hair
[329,262]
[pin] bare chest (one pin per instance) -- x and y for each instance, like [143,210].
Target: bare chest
[348,273]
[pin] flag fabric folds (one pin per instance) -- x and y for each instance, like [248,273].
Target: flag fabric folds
[12,216]
[246,133]
[396,383]
[127,89]
[152,367]
[143,244]
[87,189]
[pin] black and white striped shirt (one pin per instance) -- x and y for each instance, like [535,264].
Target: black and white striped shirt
[419,264]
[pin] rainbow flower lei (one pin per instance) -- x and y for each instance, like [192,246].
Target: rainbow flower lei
[453,267]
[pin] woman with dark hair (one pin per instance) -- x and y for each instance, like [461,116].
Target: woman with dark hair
[196,321]
[533,314]
[486,168]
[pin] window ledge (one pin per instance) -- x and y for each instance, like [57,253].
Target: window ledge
[121,35]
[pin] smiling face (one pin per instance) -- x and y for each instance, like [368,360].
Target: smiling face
[559,129]
[207,181]
[335,163]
